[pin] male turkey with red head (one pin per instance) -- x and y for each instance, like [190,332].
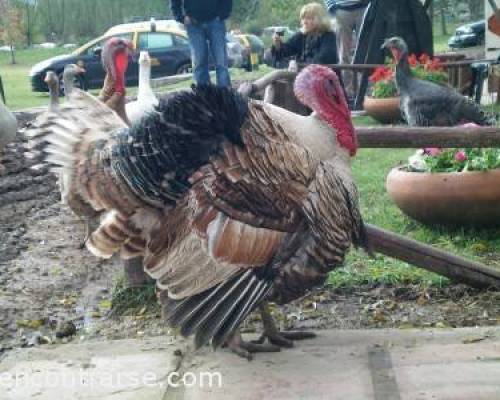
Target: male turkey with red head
[115,56]
[425,103]
[231,201]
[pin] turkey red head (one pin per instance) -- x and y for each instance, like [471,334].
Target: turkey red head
[115,55]
[318,87]
[397,46]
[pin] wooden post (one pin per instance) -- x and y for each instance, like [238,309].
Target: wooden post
[458,269]
[409,137]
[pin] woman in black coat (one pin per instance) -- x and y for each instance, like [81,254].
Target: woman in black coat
[316,42]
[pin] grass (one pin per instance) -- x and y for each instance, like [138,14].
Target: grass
[440,40]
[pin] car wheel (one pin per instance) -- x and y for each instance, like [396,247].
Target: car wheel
[78,82]
[185,68]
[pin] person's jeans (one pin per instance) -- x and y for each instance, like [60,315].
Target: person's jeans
[202,37]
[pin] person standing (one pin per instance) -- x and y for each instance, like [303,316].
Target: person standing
[205,25]
[348,18]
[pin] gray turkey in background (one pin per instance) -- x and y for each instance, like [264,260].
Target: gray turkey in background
[425,103]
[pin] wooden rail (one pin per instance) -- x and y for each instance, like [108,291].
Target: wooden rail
[458,269]
[416,138]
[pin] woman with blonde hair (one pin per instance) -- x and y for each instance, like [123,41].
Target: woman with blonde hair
[314,43]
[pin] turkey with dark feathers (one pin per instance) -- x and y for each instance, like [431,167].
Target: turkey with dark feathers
[425,103]
[231,201]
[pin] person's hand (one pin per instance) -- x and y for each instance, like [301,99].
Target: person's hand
[187,20]
[277,40]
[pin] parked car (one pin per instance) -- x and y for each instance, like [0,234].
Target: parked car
[167,45]
[253,50]
[468,35]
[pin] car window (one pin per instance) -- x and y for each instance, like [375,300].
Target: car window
[90,51]
[181,40]
[155,41]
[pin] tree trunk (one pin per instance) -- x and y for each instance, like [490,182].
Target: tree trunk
[12,54]
[443,20]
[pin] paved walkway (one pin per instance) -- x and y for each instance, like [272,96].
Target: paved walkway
[460,364]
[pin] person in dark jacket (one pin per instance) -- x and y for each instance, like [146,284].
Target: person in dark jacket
[205,26]
[315,43]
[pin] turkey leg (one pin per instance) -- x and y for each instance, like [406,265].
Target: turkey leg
[90,224]
[245,349]
[273,334]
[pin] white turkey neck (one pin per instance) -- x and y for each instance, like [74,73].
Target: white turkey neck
[54,96]
[68,83]
[144,78]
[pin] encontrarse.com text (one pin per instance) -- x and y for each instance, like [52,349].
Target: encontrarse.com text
[85,379]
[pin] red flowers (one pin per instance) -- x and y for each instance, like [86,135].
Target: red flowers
[382,74]
[412,60]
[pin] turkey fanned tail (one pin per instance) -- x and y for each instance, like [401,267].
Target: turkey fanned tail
[215,313]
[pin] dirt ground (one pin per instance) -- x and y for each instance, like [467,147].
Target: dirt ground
[49,288]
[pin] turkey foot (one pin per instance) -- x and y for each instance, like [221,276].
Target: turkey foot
[90,224]
[273,334]
[245,349]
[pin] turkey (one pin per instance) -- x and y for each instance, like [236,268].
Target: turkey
[146,99]
[426,103]
[115,55]
[52,82]
[232,202]
[69,75]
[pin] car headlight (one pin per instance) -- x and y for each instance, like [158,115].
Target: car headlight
[37,68]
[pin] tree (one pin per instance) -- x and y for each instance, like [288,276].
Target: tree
[13,31]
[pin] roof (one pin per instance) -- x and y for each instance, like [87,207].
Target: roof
[162,25]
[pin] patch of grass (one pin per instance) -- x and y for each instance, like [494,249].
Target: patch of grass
[440,40]
[133,301]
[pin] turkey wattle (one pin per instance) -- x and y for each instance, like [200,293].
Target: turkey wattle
[231,201]
[425,103]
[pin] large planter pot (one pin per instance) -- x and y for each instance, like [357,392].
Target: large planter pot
[385,111]
[455,198]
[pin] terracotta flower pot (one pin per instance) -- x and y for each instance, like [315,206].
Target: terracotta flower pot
[385,111]
[455,198]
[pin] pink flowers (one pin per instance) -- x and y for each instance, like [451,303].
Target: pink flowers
[432,151]
[460,156]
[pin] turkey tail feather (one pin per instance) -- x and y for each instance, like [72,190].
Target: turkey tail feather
[212,315]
